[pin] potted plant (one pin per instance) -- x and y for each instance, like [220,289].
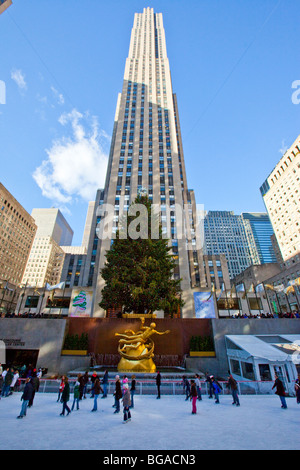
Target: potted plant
[202,346]
[75,345]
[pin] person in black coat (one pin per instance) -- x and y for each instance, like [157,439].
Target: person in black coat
[35,381]
[280,391]
[27,395]
[158,383]
[65,397]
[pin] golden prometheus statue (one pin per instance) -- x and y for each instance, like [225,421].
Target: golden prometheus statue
[136,349]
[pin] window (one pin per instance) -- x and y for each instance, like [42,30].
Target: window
[248,371]
[265,373]
[235,367]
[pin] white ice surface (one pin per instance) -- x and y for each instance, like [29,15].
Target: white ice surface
[165,424]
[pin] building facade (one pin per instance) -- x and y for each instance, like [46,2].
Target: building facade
[281,195]
[146,154]
[17,232]
[4,4]
[226,233]
[47,256]
[261,231]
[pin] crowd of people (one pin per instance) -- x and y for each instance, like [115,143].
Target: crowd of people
[124,389]
[294,314]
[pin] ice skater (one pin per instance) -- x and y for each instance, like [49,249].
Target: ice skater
[27,394]
[297,389]
[117,394]
[186,387]
[217,389]
[97,390]
[198,387]
[126,404]
[65,397]
[193,397]
[76,395]
[233,386]
[280,391]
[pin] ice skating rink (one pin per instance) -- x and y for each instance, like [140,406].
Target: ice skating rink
[165,424]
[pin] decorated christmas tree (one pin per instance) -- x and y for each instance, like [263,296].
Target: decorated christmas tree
[80,301]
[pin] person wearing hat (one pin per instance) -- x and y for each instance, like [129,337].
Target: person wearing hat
[117,394]
[126,404]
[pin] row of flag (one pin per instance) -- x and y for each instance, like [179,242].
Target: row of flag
[240,288]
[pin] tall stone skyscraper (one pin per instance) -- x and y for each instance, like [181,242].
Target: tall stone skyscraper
[146,154]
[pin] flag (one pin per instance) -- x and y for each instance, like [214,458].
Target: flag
[240,288]
[212,290]
[289,290]
[232,291]
[249,290]
[221,291]
[259,288]
[279,288]
[61,285]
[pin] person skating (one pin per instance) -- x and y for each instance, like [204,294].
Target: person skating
[65,397]
[117,394]
[126,404]
[193,396]
[217,389]
[85,381]
[233,386]
[132,390]
[280,391]
[97,390]
[36,385]
[93,378]
[76,395]
[14,382]
[8,377]
[186,387]
[158,384]
[61,387]
[209,380]
[27,395]
[80,379]
[105,384]
[198,387]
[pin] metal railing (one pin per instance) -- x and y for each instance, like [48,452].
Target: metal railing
[168,387]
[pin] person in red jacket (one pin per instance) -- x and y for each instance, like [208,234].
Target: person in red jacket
[280,391]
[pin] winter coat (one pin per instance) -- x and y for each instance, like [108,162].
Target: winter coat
[8,378]
[279,388]
[232,384]
[97,387]
[35,383]
[126,398]
[14,380]
[28,392]
[216,386]
[86,379]
[118,391]
[105,378]
[65,396]
[193,392]
[76,390]
[133,384]
[158,379]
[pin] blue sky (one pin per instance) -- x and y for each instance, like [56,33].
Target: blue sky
[233,64]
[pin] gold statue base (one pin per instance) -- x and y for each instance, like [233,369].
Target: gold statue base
[144,365]
[139,364]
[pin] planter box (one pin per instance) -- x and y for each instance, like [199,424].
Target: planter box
[75,352]
[202,354]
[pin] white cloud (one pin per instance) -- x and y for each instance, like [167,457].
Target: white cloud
[76,165]
[19,78]
[283,148]
[58,96]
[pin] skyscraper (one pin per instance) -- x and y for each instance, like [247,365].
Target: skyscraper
[4,4]
[262,231]
[146,152]
[280,193]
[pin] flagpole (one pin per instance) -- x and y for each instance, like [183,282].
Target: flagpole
[257,299]
[63,297]
[267,298]
[226,300]
[22,297]
[248,303]
[43,296]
